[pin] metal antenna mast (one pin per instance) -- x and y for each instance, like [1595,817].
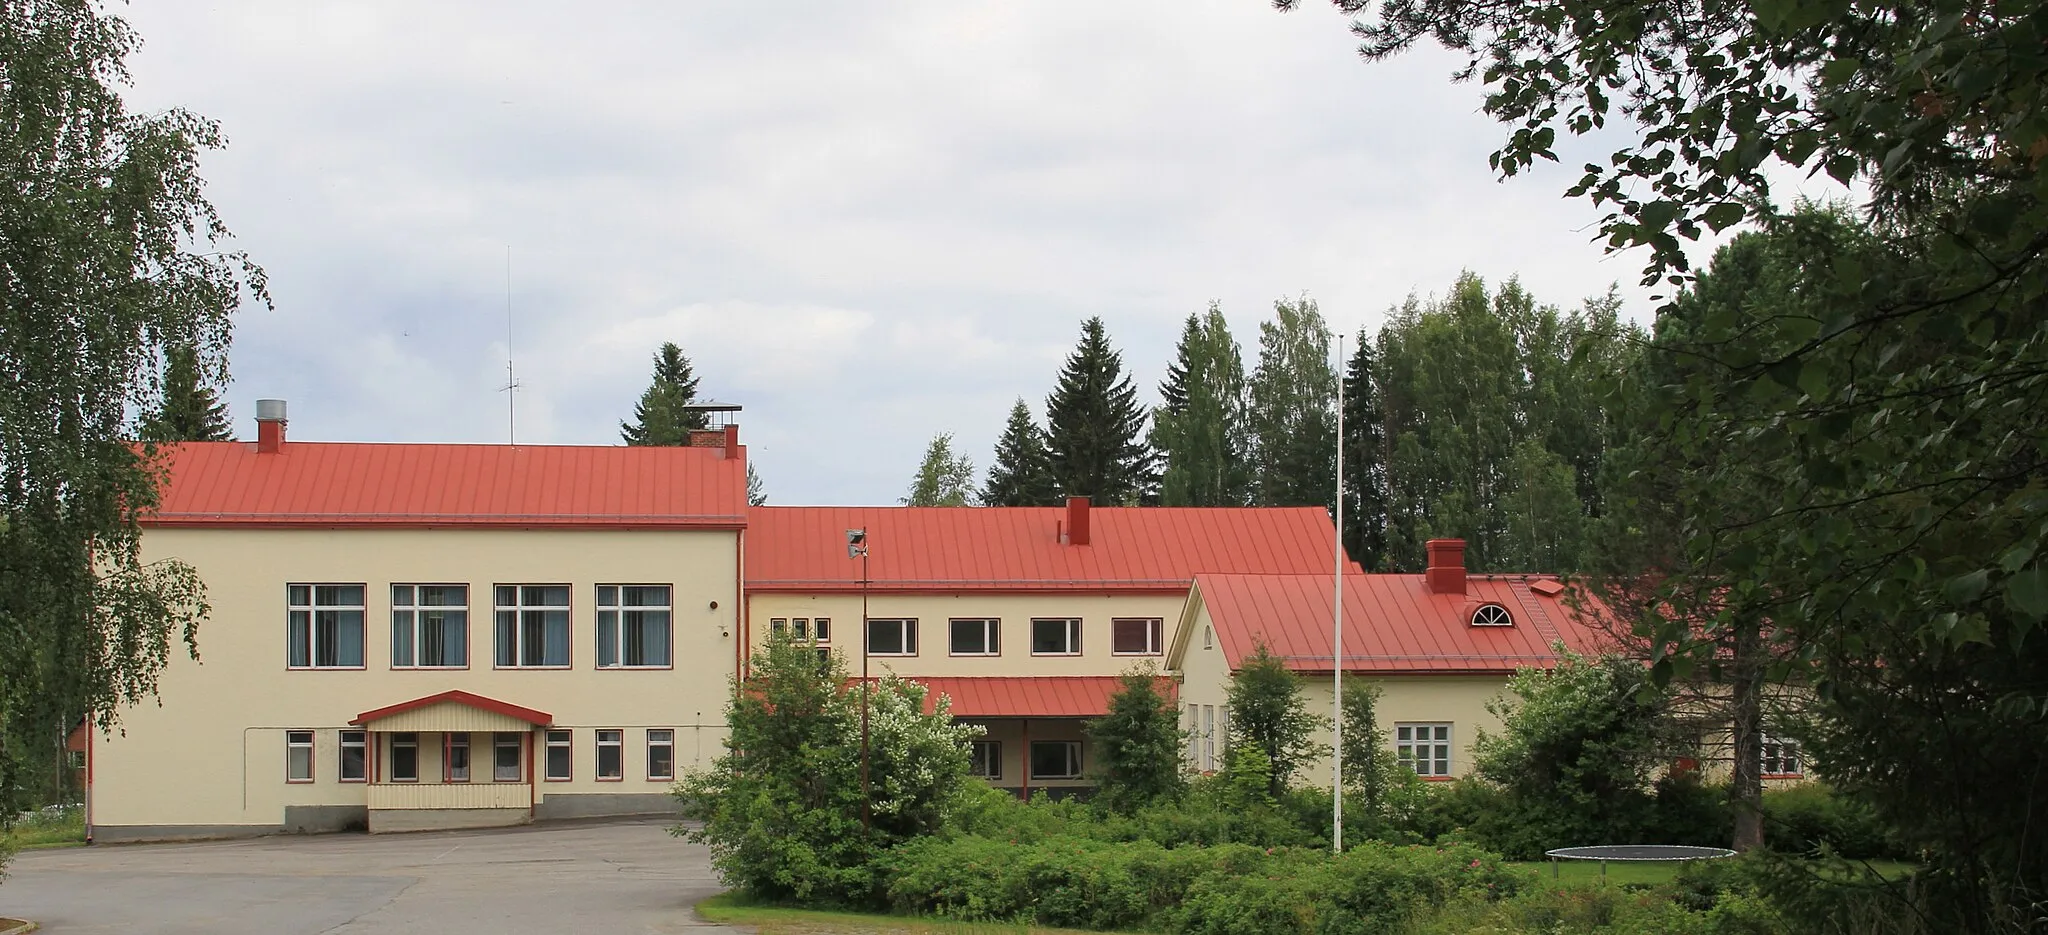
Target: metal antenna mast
[511,387]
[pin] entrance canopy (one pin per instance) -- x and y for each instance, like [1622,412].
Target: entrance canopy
[454,711]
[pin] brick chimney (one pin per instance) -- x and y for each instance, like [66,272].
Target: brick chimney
[1446,572]
[726,437]
[1077,520]
[270,426]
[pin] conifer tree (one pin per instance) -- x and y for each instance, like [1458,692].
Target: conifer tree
[662,416]
[1022,472]
[1095,427]
[1293,408]
[1365,460]
[943,478]
[190,411]
[756,495]
[1200,430]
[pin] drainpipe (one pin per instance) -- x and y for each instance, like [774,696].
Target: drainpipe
[90,743]
[532,793]
[1024,758]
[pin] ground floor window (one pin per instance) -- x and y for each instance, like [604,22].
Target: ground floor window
[1055,759]
[661,754]
[1780,756]
[353,760]
[298,756]
[506,748]
[1424,748]
[986,759]
[611,755]
[559,756]
[405,757]
[458,758]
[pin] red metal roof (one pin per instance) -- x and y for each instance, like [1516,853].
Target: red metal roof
[347,484]
[458,696]
[1392,623]
[1018,548]
[1028,696]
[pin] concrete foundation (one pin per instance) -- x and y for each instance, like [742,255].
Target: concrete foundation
[384,820]
[318,819]
[125,834]
[557,806]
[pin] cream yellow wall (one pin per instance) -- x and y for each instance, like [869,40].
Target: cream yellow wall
[1015,735]
[212,751]
[934,614]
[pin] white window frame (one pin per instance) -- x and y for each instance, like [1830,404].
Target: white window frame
[508,740]
[1432,737]
[1155,635]
[821,630]
[448,746]
[990,754]
[906,633]
[661,738]
[1074,763]
[991,636]
[1208,738]
[1073,634]
[1492,615]
[564,740]
[616,740]
[614,614]
[298,756]
[361,745]
[519,609]
[304,618]
[412,744]
[1771,747]
[405,618]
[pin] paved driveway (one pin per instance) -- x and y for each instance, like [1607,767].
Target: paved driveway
[624,876]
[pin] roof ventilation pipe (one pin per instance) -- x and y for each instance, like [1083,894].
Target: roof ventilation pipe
[270,424]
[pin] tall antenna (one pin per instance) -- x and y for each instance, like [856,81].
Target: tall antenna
[511,387]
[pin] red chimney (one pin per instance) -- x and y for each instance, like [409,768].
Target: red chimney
[269,426]
[732,441]
[1446,565]
[1077,520]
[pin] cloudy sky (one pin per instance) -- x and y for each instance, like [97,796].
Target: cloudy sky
[867,223]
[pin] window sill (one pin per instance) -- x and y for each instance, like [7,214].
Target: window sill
[872,654]
[611,779]
[325,668]
[298,782]
[1054,778]
[558,779]
[1136,654]
[1438,778]
[1782,776]
[1056,655]
[352,782]
[460,668]
[532,668]
[975,655]
[659,668]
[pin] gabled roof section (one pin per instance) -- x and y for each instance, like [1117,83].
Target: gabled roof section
[950,549]
[1037,696]
[326,484]
[1392,623]
[458,696]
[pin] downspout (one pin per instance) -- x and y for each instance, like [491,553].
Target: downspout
[89,745]
[1024,759]
[532,786]
[744,612]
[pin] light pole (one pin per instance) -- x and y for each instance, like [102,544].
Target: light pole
[857,547]
[1337,626]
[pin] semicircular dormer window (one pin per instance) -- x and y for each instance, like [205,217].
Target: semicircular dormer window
[1492,615]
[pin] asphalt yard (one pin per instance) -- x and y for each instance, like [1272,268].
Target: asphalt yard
[621,876]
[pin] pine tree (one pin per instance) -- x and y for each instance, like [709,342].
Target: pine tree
[1200,430]
[663,416]
[1095,427]
[190,412]
[943,478]
[1022,472]
[1293,409]
[1365,461]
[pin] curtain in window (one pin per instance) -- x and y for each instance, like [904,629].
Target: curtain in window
[301,638]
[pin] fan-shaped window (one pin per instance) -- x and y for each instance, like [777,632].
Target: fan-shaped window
[1492,615]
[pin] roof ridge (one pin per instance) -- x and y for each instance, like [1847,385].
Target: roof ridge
[1538,615]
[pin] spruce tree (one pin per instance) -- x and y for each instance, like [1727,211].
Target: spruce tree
[1365,460]
[1137,745]
[190,412]
[1200,431]
[1022,472]
[1293,409]
[663,416]
[756,495]
[1095,427]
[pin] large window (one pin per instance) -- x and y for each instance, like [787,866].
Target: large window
[977,637]
[611,755]
[633,626]
[1058,637]
[892,637]
[533,626]
[661,754]
[325,626]
[456,753]
[298,756]
[1780,757]
[354,744]
[1424,748]
[1135,637]
[985,759]
[505,750]
[429,626]
[1055,759]
[405,757]
[560,756]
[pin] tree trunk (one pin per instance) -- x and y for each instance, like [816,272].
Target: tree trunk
[1745,725]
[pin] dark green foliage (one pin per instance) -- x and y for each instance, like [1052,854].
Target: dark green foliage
[1095,428]
[943,477]
[1022,472]
[1366,484]
[1271,729]
[1293,409]
[662,416]
[1137,745]
[190,411]
[1803,819]
[1370,772]
[112,261]
[1200,429]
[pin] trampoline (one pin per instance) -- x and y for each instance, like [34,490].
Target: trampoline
[1634,853]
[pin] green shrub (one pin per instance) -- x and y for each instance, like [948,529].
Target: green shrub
[1375,888]
[1800,819]
[1685,810]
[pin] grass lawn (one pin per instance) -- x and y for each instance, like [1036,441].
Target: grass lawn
[730,908]
[62,829]
[1588,871]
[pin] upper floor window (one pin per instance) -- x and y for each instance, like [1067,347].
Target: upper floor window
[325,626]
[802,629]
[429,626]
[977,637]
[1424,748]
[1780,756]
[533,626]
[892,637]
[633,626]
[1136,637]
[1060,637]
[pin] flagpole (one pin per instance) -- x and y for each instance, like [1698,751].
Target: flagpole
[1337,621]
